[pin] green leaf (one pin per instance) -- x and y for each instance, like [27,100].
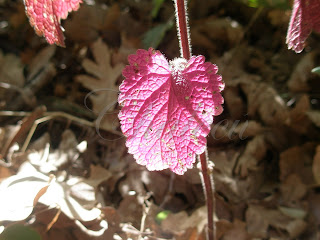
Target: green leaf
[162,216]
[19,232]
[156,7]
[316,70]
[154,36]
[282,4]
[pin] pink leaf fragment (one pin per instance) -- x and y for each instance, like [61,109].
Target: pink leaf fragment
[305,17]
[45,16]
[168,108]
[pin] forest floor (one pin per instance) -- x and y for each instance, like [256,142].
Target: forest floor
[59,126]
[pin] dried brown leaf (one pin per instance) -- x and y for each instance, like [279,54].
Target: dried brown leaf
[104,89]
[235,104]
[222,226]
[251,157]
[237,231]
[233,187]
[314,116]
[298,119]
[248,129]
[313,200]
[212,29]
[297,160]
[40,60]
[298,81]
[130,210]
[260,218]
[11,70]
[264,100]
[181,221]
[80,29]
[293,189]
[224,161]
[316,165]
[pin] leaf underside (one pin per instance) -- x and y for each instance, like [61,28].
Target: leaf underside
[45,16]
[305,17]
[168,108]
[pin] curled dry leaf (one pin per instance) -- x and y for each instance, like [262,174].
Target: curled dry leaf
[298,120]
[249,160]
[231,185]
[236,230]
[248,129]
[292,189]
[298,81]
[230,131]
[181,221]
[259,219]
[297,160]
[264,100]
[104,91]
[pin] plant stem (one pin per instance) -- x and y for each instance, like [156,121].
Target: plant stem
[208,186]
[185,51]
[182,28]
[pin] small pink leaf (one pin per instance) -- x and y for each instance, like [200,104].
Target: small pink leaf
[168,108]
[45,16]
[305,17]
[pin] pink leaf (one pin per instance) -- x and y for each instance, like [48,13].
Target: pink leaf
[305,17]
[168,108]
[45,16]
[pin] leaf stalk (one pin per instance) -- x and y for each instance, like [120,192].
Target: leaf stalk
[185,52]
[182,28]
[208,188]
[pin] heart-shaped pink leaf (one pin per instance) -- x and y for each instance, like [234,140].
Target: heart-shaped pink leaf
[168,108]
[305,17]
[45,16]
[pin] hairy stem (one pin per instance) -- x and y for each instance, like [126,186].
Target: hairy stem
[182,28]
[208,188]
[185,51]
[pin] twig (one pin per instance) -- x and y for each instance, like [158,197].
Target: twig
[49,117]
[145,212]
[27,123]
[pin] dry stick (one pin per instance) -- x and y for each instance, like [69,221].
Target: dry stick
[47,118]
[185,51]
[145,212]
[24,128]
